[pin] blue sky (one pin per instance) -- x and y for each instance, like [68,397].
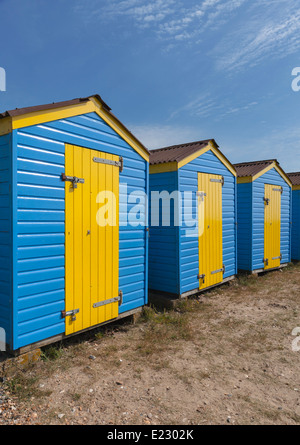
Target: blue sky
[172,71]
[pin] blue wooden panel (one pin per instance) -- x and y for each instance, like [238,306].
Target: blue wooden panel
[163,241]
[6,236]
[296,225]
[244,228]
[40,215]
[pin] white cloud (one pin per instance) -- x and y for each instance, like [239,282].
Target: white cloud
[274,34]
[170,20]
[282,144]
[157,136]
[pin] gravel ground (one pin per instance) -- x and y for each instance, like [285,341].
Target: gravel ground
[224,358]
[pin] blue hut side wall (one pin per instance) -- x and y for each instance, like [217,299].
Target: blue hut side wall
[39,230]
[189,250]
[296,225]
[6,237]
[244,226]
[270,177]
[163,242]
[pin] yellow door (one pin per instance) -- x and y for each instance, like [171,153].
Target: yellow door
[272,256]
[210,230]
[92,237]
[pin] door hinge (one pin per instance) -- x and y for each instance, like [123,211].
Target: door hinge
[71,313]
[280,189]
[72,179]
[119,298]
[277,257]
[119,163]
[218,270]
[218,180]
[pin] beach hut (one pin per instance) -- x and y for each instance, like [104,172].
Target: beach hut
[263,215]
[295,179]
[69,258]
[192,244]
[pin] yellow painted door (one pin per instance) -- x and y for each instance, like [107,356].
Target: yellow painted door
[210,230]
[272,255]
[92,238]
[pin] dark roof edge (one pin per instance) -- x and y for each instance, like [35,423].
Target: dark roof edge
[53,105]
[170,147]
[26,110]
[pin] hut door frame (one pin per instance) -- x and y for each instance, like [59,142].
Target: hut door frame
[92,292]
[210,230]
[272,226]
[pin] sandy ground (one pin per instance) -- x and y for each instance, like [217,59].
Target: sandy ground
[225,358]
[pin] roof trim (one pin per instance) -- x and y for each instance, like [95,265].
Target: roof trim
[164,167]
[26,117]
[252,178]
[291,177]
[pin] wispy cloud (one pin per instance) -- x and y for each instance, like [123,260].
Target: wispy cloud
[273,30]
[157,136]
[170,20]
[206,105]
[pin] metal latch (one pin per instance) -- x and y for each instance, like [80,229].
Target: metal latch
[278,190]
[266,261]
[72,179]
[267,201]
[278,257]
[71,313]
[201,195]
[201,277]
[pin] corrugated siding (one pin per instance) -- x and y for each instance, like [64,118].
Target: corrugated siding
[40,226]
[5,237]
[296,225]
[271,177]
[244,230]
[163,242]
[189,258]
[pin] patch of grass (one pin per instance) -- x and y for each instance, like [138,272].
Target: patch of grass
[24,387]
[75,396]
[51,353]
[160,329]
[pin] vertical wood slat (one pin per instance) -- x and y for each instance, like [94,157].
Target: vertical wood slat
[210,243]
[92,259]
[272,225]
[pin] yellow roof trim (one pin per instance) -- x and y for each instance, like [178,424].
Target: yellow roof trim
[163,168]
[194,155]
[5,126]
[92,105]
[173,166]
[115,124]
[244,179]
[247,179]
[224,160]
[296,187]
